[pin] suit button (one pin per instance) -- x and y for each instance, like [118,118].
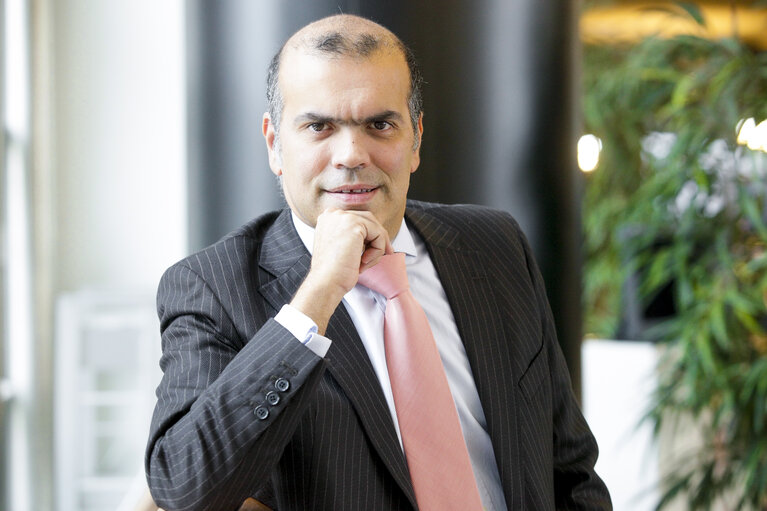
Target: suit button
[272,398]
[261,412]
[282,384]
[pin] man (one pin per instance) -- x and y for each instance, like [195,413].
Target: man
[275,382]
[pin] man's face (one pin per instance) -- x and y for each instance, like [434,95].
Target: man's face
[346,139]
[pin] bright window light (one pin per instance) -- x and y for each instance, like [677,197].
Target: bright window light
[18,298]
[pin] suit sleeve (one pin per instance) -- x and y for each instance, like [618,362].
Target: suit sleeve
[576,484]
[226,406]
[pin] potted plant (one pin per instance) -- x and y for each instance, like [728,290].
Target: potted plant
[680,206]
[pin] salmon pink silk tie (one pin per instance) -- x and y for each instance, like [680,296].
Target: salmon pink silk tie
[436,453]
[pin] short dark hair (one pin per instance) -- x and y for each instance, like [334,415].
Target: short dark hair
[363,45]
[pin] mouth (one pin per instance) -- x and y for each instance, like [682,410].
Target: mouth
[354,195]
[353,190]
[361,190]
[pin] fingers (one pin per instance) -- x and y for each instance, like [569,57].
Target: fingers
[374,237]
[376,244]
[370,258]
[345,244]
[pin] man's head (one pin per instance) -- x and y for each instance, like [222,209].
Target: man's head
[349,36]
[345,122]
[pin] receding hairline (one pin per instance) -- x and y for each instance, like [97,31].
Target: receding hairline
[347,26]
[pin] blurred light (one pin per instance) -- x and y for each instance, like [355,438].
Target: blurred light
[752,135]
[589,147]
[759,137]
[744,129]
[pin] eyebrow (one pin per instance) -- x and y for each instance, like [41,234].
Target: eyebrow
[386,115]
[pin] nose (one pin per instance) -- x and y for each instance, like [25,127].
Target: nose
[349,150]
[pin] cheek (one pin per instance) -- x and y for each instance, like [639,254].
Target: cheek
[400,166]
[306,160]
[299,177]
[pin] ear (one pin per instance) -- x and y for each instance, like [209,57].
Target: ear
[270,136]
[417,153]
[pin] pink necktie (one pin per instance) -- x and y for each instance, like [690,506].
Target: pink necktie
[436,453]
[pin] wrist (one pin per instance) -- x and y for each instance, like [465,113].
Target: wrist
[318,301]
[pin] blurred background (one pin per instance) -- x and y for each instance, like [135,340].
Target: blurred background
[628,138]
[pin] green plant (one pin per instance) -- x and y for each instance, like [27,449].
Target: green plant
[677,203]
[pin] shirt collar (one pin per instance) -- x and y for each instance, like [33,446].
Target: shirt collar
[403,242]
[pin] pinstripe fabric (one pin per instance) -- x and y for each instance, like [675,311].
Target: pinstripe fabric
[329,443]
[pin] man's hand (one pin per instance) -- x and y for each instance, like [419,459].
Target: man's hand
[345,244]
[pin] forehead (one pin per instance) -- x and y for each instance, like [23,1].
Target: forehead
[311,80]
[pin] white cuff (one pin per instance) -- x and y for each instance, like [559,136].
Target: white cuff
[303,328]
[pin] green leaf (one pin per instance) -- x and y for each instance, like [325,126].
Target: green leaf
[751,211]
[694,11]
[718,327]
[704,352]
[685,295]
[748,321]
[682,91]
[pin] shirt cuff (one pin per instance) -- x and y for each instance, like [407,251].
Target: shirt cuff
[303,328]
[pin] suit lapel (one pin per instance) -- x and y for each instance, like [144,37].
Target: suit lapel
[481,325]
[285,257]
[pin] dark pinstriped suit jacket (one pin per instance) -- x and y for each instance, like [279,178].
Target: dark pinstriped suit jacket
[329,442]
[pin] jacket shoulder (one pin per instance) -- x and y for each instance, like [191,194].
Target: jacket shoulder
[474,222]
[240,246]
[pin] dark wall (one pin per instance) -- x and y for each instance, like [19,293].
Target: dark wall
[498,124]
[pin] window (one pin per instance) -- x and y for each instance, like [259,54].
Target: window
[17,351]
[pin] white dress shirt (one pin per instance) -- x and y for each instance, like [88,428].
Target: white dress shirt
[366,308]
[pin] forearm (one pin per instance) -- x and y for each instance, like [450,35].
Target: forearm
[214,453]
[207,446]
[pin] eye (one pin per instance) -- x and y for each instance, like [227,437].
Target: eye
[381,125]
[317,127]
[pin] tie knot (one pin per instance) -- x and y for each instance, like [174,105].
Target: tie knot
[388,276]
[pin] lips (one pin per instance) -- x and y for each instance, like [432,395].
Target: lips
[353,189]
[361,190]
[353,196]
